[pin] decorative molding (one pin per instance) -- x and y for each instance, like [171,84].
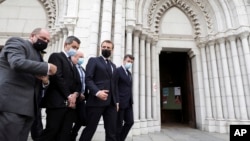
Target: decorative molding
[154,20]
[206,14]
[50,7]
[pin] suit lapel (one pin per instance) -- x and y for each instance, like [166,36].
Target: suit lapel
[123,71]
[66,59]
[104,63]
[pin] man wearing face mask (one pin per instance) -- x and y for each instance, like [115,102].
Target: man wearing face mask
[102,99]
[60,96]
[22,72]
[125,118]
[78,59]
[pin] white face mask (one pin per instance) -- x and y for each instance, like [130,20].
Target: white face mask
[80,61]
[128,65]
[71,52]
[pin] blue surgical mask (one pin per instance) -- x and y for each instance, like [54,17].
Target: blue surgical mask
[71,52]
[80,61]
[128,65]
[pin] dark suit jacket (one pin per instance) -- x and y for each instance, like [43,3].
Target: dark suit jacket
[98,78]
[81,104]
[63,83]
[19,63]
[124,85]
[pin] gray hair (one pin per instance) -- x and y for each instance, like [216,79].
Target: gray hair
[70,39]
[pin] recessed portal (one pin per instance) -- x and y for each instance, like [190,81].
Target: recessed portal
[177,103]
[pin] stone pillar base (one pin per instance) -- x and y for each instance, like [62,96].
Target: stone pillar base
[210,125]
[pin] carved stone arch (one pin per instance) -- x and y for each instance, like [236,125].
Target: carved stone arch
[50,7]
[154,16]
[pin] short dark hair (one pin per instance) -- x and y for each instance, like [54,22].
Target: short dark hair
[108,41]
[129,56]
[70,39]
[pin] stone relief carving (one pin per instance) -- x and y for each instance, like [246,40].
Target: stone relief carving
[183,6]
[50,7]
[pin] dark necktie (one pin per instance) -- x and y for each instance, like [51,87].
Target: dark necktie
[109,66]
[69,58]
[82,77]
[128,73]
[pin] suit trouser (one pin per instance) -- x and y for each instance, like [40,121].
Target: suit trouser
[14,127]
[37,126]
[80,119]
[59,122]
[94,114]
[123,128]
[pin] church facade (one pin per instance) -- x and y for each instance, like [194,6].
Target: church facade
[213,79]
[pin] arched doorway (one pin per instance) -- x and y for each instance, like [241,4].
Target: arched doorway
[177,102]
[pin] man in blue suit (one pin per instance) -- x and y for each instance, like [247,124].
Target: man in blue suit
[125,119]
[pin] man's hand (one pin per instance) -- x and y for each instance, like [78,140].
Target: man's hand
[72,100]
[45,79]
[103,94]
[82,97]
[52,69]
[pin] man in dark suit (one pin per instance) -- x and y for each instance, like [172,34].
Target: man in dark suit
[61,94]
[78,59]
[21,72]
[102,100]
[125,119]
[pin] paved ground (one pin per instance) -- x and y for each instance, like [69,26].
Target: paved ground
[174,133]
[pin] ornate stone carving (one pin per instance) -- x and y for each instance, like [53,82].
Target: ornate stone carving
[167,4]
[50,7]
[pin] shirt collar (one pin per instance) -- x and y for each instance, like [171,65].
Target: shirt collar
[65,53]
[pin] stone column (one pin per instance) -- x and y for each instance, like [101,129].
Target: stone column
[142,85]
[227,81]
[209,114]
[72,9]
[232,80]
[71,15]
[136,86]
[157,123]
[94,29]
[117,55]
[56,43]
[106,22]
[210,79]
[53,44]
[61,41]
[246,52]
[215,77]
[238,79]
[153,77]
[148,83]
[65,35]
[129,30]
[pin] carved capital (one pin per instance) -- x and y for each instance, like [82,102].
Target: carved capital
[137,33]
[221,40]
[129,28]
[231,38]
[244,34]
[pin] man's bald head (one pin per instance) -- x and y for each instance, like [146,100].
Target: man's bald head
[79,54]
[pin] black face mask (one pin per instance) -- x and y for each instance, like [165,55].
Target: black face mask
[106,53]
[40,45]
